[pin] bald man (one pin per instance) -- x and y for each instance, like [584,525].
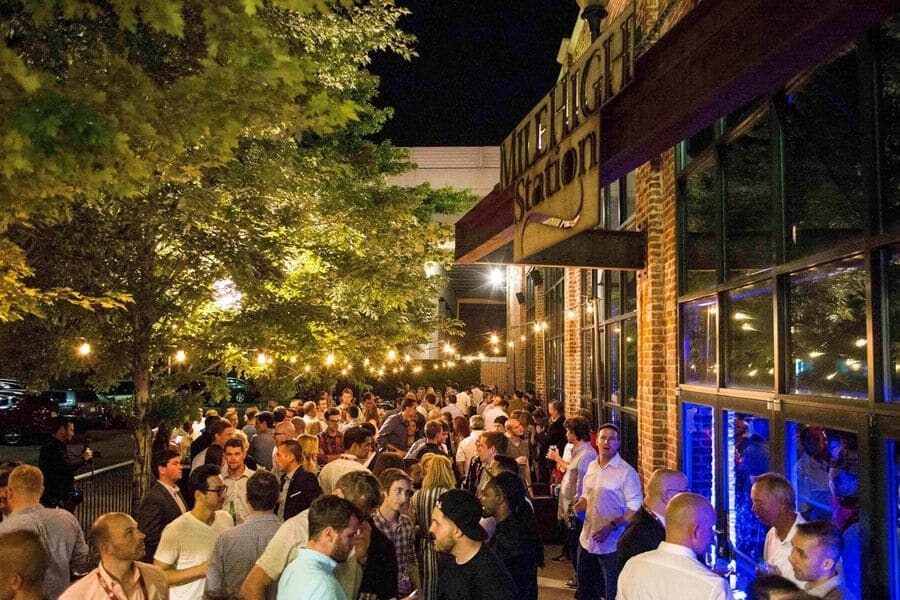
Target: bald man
[120,544]
[23,561]
[648,527]
[653,575]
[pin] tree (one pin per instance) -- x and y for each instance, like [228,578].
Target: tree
[196,149]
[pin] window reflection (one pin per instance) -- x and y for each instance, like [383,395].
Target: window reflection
[698,456]
[613,382]
[823,466]
[699,344]
[629,364]
[821,121]
[894,312]
[828,330]
[746,457]
[892,452]
[701,201]
[750,363]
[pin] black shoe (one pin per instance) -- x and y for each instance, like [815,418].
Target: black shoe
[562,558]
[571,584]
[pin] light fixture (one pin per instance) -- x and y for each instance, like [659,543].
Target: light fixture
[261,358]
[392,354]
[496,277]
[84,349]
[448,348]
[494,338]
[180,356]
[329,360]
[511,344]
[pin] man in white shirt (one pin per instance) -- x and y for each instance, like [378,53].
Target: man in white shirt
[773,503]
[467,450]
[187,542]
[497,409]
[477,397]
[358,441]
[672,570]
[464,402]
[611,495]
[235,474]
[452,407]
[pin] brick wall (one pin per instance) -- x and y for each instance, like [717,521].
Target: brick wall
[572,341]
[515,328]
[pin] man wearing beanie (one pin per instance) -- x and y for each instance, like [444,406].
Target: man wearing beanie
[472,570]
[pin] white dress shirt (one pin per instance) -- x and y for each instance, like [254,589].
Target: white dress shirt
[611,491]
[670,571]
[776,551]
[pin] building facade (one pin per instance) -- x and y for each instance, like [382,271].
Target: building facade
[762,329]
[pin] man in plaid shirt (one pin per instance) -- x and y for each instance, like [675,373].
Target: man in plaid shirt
[399,528]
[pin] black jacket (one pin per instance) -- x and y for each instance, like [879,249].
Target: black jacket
[157,510]
[643,534]
[59,473]
[302,490]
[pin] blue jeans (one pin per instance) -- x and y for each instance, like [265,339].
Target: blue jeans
[597,575]
[573,545]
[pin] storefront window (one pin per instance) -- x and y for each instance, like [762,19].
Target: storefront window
[629,363]
[823,170]
[626,421]
[750,362]
[746,456]
[693,147]
[748,200]
[889,122]
[699,344]
[613,381]
[892,452]
[828,330]
[698,454]
[701,197]
[894,312]
[823,465]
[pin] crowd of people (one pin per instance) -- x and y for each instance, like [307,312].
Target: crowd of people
[433,499]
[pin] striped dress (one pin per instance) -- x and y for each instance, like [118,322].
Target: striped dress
[423,502]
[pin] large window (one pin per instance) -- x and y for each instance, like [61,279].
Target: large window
[554,346]
[828,330]
[750,363]
[699,348]
[698,449]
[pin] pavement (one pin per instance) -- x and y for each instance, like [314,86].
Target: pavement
[554,575]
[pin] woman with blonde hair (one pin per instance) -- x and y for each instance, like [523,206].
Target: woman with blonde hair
[309,449]
[438,479]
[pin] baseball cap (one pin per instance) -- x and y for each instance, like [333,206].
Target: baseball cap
[464,509]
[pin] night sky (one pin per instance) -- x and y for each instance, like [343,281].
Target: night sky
[482,65]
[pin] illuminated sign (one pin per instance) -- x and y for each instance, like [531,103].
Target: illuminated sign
[552,158]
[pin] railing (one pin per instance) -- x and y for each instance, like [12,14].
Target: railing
[104,490]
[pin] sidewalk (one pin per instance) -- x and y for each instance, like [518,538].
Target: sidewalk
[552,578]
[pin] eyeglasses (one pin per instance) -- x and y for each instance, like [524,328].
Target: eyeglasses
[218,490]
[334,420]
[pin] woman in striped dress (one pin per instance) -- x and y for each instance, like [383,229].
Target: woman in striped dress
[438,479]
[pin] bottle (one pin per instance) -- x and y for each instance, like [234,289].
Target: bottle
[232,512]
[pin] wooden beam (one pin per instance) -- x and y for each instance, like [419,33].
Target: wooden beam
[596,249]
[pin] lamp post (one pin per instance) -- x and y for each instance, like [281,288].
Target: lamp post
[593,11]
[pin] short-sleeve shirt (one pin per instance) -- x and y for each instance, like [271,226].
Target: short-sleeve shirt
[236,550]
[237,492]
[777,551]
[483,577]
[187,542]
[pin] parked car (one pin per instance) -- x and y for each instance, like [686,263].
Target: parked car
[8,383]
[240,390]
[83,405]
[23,414]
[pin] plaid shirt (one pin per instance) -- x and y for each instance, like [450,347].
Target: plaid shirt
[330,445]
[403,535]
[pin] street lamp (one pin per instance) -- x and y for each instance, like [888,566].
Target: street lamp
[84,349]
[593,11]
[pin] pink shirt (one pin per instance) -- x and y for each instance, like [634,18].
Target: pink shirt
[149,584]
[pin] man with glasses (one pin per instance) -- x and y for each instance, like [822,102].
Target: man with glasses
[187,542]
[331,441]
[357,442]
[648,527]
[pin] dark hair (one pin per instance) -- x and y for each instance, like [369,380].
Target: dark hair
[161,459]
[331,412]
[235,443]
[433,428]
[279,414]
[506,463]
[461,426]
[763,585]
[430,398]
[501,420]
[513,490]
[367,395]
[218,427]
[385,461]
[353,411]
[214,456]
[389,476]
[294,447]
[330,511]
[57,422]
[355,435]
[504,403]
[612,426]
[266,417]
[198,478]
[826,534]
[209,421]
[496,440]
[262,490]
[451,398]
[368,427]
[6,468]
[580,428]
[407,402]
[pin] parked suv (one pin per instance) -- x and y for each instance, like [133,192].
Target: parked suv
[82,404]
[23,414]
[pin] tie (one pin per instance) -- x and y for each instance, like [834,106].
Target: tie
[179,500]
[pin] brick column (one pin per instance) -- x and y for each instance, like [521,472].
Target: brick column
[540,374]
[572,341]
[515,328]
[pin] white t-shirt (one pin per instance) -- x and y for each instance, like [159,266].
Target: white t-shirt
[490,414]
[463,401]
[282,548]
[330,473]
[186,542]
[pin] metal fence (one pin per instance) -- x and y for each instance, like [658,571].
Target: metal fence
[104,490]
